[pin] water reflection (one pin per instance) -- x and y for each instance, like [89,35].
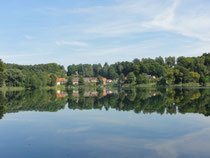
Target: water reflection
[15,101]
[64,124]
[161,101]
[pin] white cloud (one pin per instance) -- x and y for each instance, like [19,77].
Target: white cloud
[72,43]
[192,24]
[195,144]
[116,28]
[142,16]
[134,16]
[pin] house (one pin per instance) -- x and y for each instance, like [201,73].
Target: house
[86,80]
[90,80]
[104,80]
[109,81]
[93,79]
[61,81]
[75,80]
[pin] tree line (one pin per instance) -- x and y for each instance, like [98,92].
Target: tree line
[162,71]
[30,77]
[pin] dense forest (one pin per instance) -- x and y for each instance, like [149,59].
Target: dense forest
[168,71]
[30,77]
[162,71]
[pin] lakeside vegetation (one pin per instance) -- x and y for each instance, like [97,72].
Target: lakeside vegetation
[13,76]
[188,71]
[183,71]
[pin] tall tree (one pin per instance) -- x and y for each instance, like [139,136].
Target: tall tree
[2,66]
[105,70]
[159,60]
[81,80]
[170,61]
[131,78]
[121,78]
[70,80]
[142,79]
[100,80]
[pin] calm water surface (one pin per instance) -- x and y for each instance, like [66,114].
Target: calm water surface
[130,123]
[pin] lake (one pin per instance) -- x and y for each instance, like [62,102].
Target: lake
[130,123]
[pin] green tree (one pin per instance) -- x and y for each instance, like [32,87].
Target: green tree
[72,69]
[170,77]
[178,76]
[136,61]
[195,76]
[2,69]
[14,78]
[142,79]
[162,81]
[2,77]
[100,80]
[136,69]
[202,80]
[120,68]
[2,66]
[33,82]
[121,78]
[170,61]
[112,73]
[81,80]
[131,78]
[105,70]
[159,60]
[97,69]
[53,79]
[70,80]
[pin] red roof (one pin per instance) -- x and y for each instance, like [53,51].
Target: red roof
[104,79]
[60,79]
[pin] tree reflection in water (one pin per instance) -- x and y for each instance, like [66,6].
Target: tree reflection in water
[139,100]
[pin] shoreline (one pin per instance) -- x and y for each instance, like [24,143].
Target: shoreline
[151,85]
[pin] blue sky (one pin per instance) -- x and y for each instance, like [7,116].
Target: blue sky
[95,31]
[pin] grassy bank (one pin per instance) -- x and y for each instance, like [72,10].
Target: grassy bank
[149,85]
[22,88]
[12,88]
[139,85]
[94,86]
